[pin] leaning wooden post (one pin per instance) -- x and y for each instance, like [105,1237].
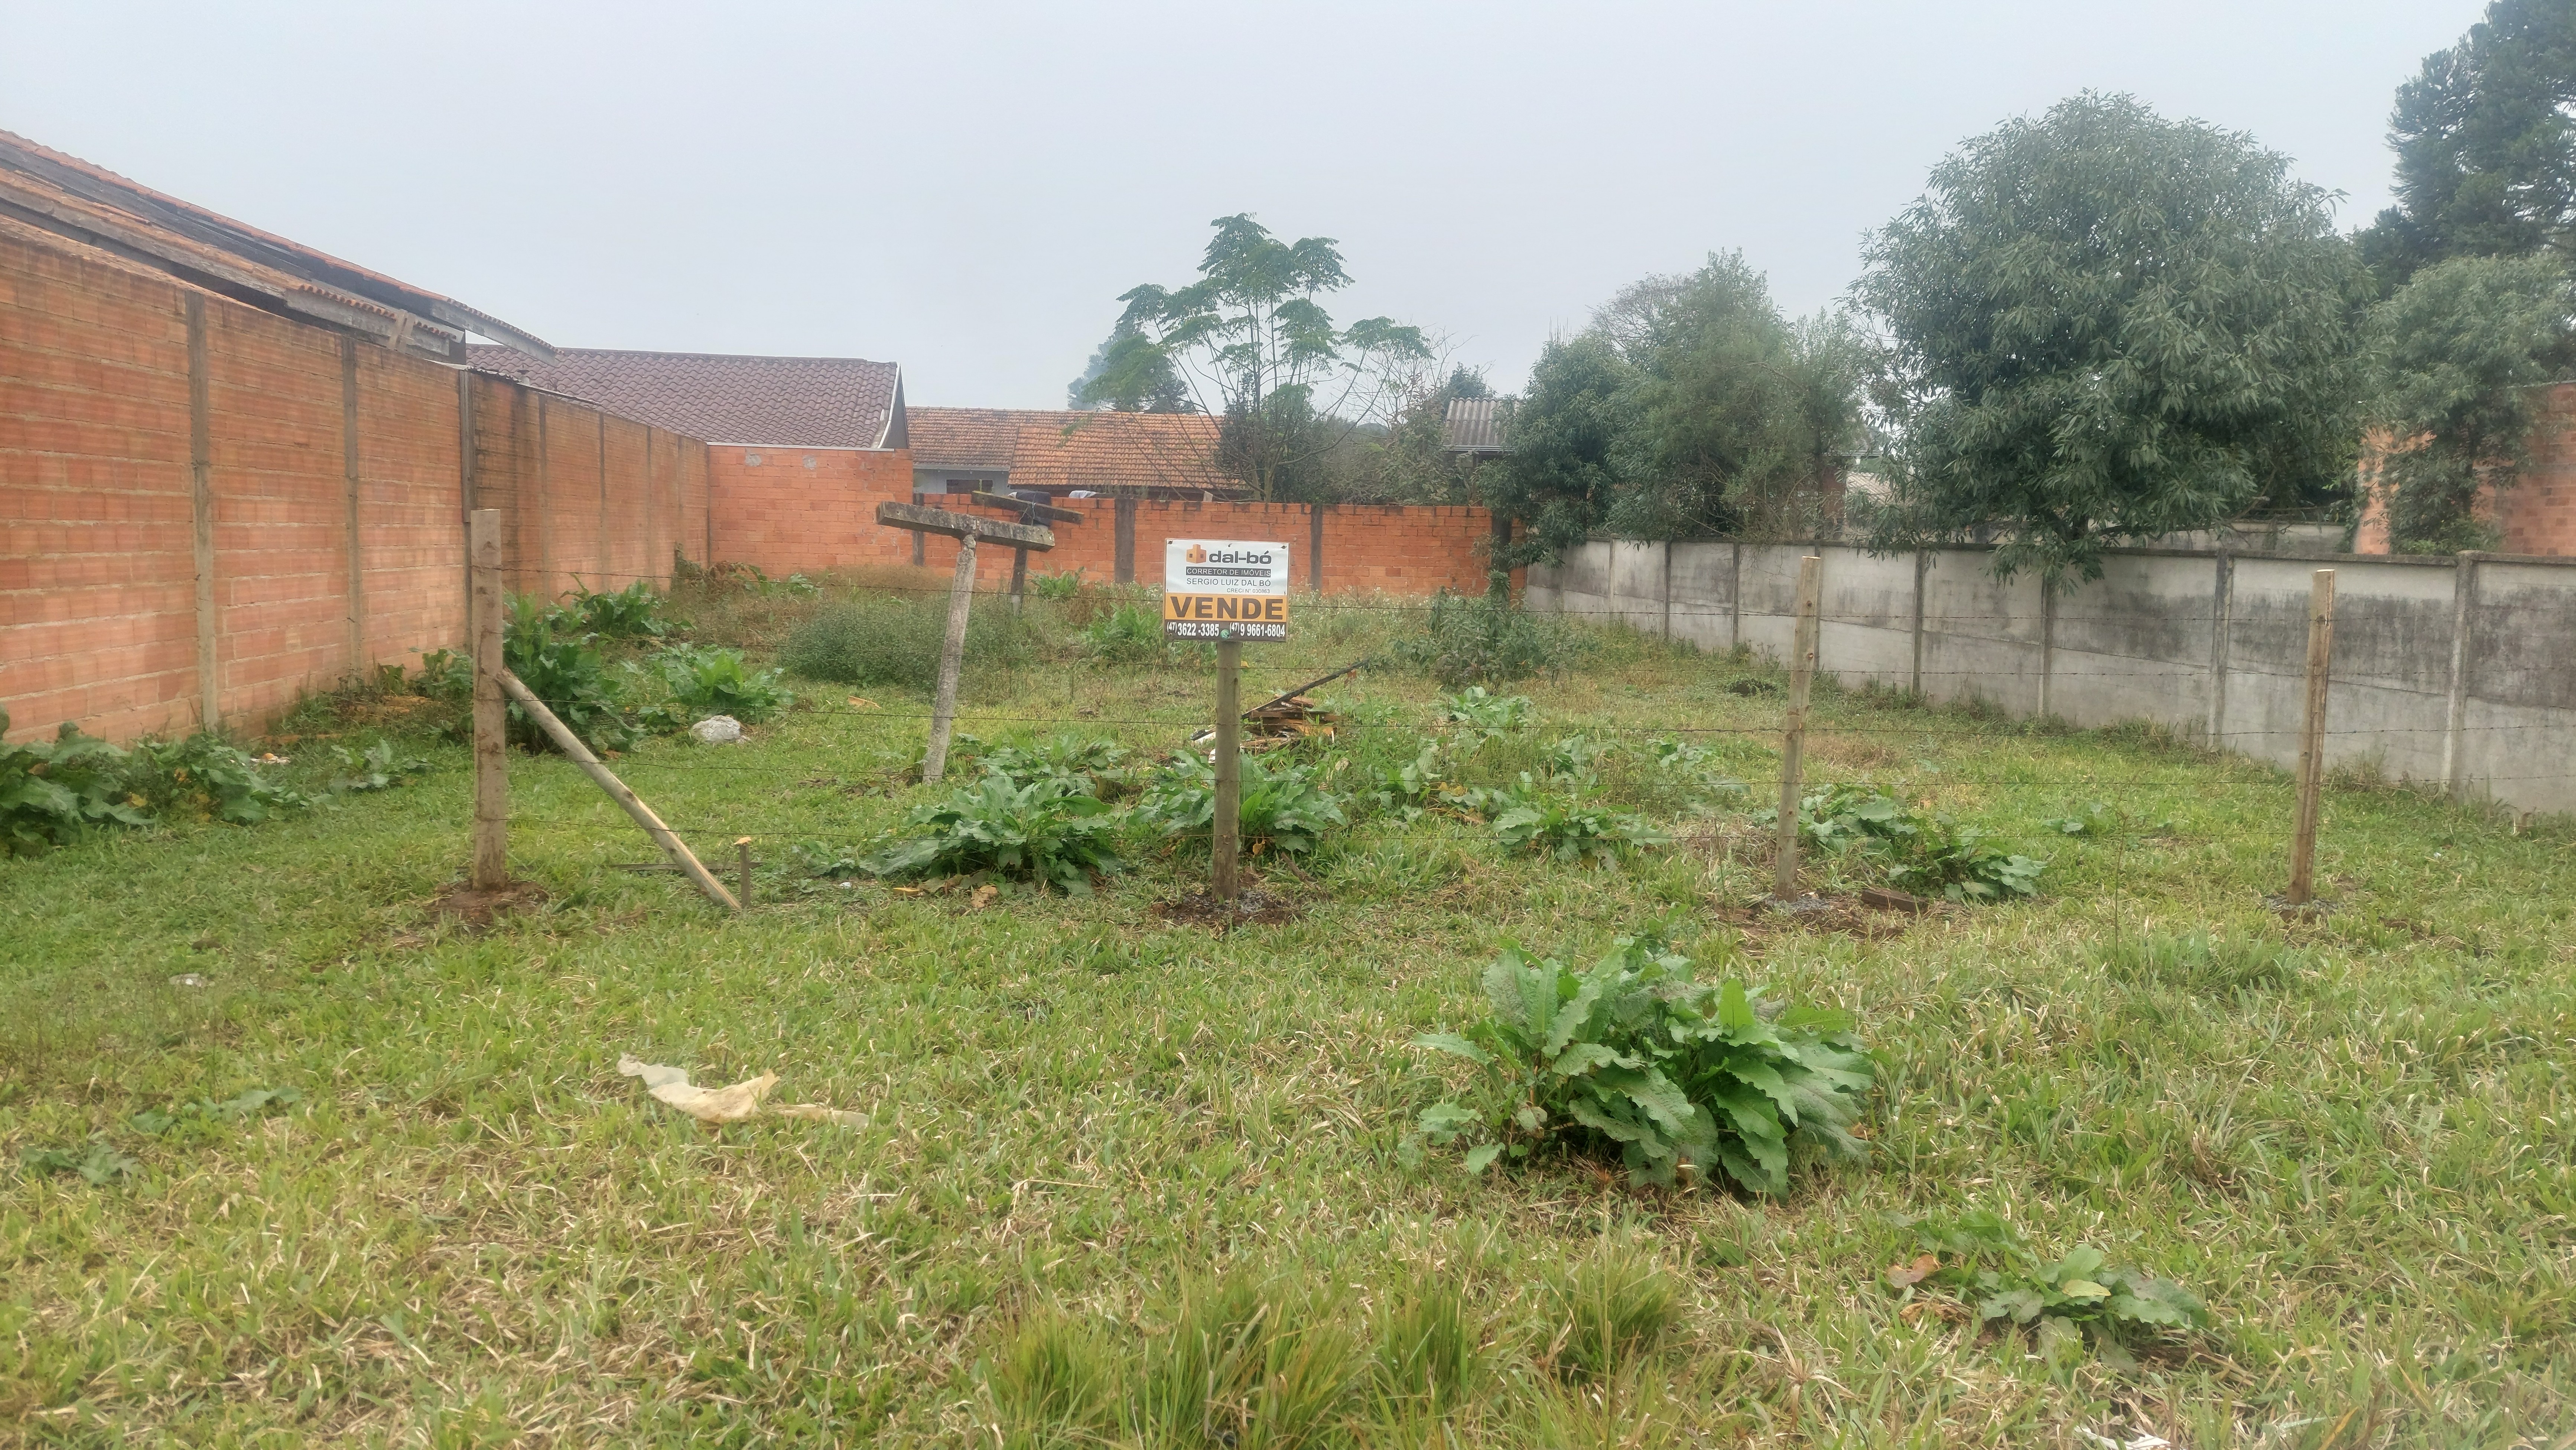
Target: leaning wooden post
[2312,738]
[600,775]
[486,611]
[1226,826]
[1793,745]
[952,657]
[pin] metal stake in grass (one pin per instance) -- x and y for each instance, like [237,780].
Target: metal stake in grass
[1793,744]
[1226,825]
[2312,738]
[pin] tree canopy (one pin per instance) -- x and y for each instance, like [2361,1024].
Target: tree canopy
[1250,340]
[1127,374]
[1690,407]
[2105,326]
[2454,354]
[2485,136]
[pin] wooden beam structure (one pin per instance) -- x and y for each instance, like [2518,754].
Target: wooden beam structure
[923,519]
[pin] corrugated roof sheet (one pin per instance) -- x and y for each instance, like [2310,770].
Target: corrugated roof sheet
[1060,451]
[1475,425]
[778,402]
[51,192]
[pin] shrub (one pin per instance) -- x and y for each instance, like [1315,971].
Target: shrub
[1678,1077]
[1487,641]
[565,672]
[445,676]
[1282,806]
[1926,854]
[895,640]
[634,612]
[2065,1303]
[53,791]
[205,777]
[1046,830]
[705,681]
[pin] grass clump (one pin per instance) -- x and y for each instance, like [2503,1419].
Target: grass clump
[1608,1312]
[1484,640]
[1681,1080]
[895,640]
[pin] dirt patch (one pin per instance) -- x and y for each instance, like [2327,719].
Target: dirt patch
[1891,914]
[1254,907]
[479,909]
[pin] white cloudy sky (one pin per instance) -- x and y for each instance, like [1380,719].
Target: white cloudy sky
[966,188]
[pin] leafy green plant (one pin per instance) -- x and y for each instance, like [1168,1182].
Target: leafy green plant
[1414,787]
[1560,822]
[634,612]
[566,672]
[52,791]
[1283,806]
[206,777]
[1128,634]
[1094,766]
[1927,854]
[98,1164]
[376,768]
[444,676]
[1047,830]
[2066,1303]
[1058,586]
[704,681]
[1694,763]
[1576,759]
[1481,640]
[1474,714]
[1681,1079]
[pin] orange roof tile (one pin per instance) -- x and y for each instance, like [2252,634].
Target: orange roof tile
[1060,451]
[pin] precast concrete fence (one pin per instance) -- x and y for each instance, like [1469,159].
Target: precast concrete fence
[2455,671]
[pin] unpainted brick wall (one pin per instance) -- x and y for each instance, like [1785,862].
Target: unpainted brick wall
[2537,515]
[99,620]
[801,510]
[1407,550]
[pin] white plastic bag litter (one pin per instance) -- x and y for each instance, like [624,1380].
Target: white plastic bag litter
[728,1104]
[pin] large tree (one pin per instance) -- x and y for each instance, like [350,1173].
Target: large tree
[2454,354]
[2485,136]
[2104,326]
[1251,341]
[1126,374]
[1574,444]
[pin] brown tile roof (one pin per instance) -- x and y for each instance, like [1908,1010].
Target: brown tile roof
[782,402]
[1060,451]
[46,191]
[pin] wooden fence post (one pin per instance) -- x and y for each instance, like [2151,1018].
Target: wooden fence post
[491,717]
[2312,738]
[1793,746]
[1226,826]
[952,655]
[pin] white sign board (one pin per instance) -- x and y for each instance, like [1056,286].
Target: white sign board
[1224,589]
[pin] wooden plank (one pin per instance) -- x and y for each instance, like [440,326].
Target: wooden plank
[600,775]
[1045,513]
[921,518]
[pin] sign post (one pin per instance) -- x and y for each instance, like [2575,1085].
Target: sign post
[1227,591]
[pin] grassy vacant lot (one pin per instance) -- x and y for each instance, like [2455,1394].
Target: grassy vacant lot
[1095,1134]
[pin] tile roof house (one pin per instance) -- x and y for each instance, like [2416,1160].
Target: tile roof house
[1143,455]
[780,402]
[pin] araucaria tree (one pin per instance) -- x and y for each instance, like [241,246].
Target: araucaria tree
[1251,341]
[2485,137]
[2105,326]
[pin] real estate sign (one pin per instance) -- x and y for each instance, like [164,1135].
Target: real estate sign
[1224,589]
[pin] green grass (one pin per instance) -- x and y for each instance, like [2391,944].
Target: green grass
[1130,1182]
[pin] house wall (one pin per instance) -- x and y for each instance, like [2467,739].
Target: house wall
[2446,670]
[804,510]
[108,404]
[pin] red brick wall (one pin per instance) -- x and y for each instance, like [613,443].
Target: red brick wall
[1396,549]
[98,613]
[799,510]
[2537,515]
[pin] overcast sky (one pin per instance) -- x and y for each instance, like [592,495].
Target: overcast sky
[965,189]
